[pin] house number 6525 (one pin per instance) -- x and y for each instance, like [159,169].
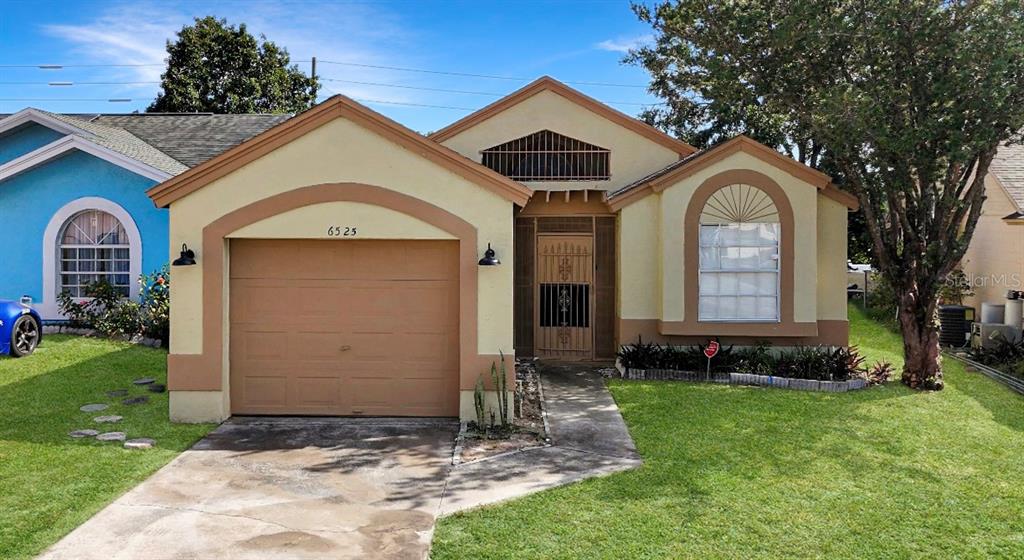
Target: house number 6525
[341,231]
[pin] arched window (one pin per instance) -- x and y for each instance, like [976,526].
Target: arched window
[739,256]
[94,247]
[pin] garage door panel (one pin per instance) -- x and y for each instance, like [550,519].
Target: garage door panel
[265,391]
[356,327]
[316,391]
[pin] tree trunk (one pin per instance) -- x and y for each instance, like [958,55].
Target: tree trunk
[922,366]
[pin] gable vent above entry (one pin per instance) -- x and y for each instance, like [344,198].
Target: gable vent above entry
[549,156]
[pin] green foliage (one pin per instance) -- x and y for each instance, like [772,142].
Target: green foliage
[1004,355]
[479,403]
[155,290]
[908,101]
[106,310]
[500,378]
[801,362]
[221,68]
[98,309]
[955,288]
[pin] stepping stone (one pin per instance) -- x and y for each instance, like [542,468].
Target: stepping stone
[93,407]
[156,388]
[135,400]
[111,436]
[117,393]
[107,419]
[139,443]
[83,433]
[144,381]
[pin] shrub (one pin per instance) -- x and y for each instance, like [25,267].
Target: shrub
[803,362]
[106,310]
[879,373]
[155,289]
[1005,355]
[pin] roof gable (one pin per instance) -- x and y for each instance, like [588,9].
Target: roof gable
[337,106]
[549,84]
[1008,168]
[663,178]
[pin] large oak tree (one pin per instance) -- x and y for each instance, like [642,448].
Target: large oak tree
[909,98]
[220,68]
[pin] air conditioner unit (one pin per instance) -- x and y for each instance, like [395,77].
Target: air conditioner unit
[985,335]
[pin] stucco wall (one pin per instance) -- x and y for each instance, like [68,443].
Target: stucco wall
[341,151]
[632,155]
[29,200]
[652,285]
[832,244]
[24,139]
[995,259]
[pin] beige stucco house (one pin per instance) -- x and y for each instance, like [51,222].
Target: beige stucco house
[342,263]
[994,262]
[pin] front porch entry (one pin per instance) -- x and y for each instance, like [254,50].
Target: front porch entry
[565,277]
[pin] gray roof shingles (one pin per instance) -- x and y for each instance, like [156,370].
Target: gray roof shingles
[170,142]
[192,139]
[1008,167]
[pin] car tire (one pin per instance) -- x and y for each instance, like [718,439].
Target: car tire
[24,336]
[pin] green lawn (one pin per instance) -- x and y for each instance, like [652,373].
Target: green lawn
[743,472]
[50,483]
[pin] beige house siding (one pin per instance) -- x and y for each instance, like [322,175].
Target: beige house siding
[994,262]
[632,155]
[337,152]
[652,269]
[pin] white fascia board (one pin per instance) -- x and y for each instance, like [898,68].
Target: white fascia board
[32,115]
[56,148]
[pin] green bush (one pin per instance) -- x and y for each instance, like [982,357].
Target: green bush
[106,310]
[802,362]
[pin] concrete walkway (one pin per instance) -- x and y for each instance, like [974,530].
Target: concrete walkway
[589,438]
[311,488]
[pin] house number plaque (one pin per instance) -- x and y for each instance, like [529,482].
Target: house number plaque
[342,231]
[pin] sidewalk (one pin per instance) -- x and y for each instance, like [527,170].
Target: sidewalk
[589,438]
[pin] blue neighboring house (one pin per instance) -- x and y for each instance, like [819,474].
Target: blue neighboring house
[73,202]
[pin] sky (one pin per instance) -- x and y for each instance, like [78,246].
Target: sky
[573,41]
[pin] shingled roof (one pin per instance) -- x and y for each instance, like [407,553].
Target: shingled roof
[1008,167]
[192,138]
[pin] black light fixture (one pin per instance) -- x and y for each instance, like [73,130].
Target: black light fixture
[490,259]
[187,258]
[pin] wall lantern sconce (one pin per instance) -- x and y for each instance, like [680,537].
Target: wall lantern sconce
[490,259]
[187,258]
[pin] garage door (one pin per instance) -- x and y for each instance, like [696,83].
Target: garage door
[344,327]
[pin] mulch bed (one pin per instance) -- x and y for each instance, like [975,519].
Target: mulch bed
[527,425]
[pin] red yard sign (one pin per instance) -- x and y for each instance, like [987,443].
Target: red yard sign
[711,350]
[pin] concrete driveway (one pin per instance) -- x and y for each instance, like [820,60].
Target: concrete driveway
[285,489]
[303,488]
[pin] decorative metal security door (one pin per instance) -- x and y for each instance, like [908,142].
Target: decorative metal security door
[565,281]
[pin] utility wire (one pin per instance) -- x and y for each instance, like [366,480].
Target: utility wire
[469,75]
[61,66]
[461,91]
[364,100]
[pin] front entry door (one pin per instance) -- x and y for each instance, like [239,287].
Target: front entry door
[565,296]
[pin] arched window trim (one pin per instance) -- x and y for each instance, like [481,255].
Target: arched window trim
[106,251]
[51,247]
[740,249]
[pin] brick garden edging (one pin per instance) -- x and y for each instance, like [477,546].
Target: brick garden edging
[742,379]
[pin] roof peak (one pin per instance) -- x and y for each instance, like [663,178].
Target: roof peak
[547,83]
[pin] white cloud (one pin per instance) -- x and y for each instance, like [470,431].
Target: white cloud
[136,33]
[624,45]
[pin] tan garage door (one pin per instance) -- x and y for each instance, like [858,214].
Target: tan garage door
[344,327]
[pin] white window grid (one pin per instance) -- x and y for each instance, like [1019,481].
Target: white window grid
[739,272]
[98,251]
